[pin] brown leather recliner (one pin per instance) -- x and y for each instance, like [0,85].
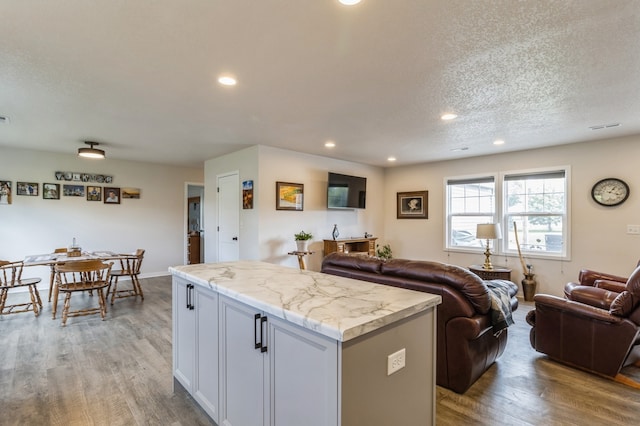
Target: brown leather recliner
[586,335]
[591,278]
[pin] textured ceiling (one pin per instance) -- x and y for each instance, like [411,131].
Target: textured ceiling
[140,76]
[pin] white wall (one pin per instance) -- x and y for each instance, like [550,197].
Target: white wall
[155,222]
[266,233]
[598,234]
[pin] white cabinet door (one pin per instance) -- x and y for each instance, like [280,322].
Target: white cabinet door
[243,382]
[304,376]
[274,373]
[184,330]
[205,384]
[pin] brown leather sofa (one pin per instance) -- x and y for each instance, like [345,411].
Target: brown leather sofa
[590,332]
[466,344]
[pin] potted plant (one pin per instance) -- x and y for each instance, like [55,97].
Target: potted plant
[384,253]
[302,240]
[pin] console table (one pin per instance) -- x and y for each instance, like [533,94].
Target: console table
[497,273]
[351,245]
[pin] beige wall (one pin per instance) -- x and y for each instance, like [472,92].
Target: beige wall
[266,233]
[598,234]
[155,222]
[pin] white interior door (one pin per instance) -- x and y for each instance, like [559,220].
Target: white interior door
[228,217]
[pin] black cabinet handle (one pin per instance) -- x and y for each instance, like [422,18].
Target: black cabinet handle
[186,289]
[190,297]
[263,322]
[256,321]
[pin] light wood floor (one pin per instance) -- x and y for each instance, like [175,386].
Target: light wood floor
[118,372]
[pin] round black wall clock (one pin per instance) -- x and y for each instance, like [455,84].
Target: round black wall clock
[610,192]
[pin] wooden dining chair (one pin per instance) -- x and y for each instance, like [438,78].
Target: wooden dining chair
[129,267]
[52,279]
[79,276]
[11,278]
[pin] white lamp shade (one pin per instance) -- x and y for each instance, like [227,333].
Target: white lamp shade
[488,231]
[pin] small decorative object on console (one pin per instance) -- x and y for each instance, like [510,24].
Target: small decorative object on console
[335,234]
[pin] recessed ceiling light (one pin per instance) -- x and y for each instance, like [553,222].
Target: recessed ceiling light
[349,2]
[329,144]
[498,142]
[448,116]
[463,148]
[227,80]
[391,159]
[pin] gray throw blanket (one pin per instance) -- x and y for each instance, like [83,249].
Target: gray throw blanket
[501,317]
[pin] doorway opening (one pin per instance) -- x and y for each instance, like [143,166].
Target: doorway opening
[194,226]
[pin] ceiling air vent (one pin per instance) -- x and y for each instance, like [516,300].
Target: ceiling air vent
[604,126]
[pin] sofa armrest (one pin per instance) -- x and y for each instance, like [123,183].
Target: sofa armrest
[592,296]
[616,286]
[575,308]
[588,277]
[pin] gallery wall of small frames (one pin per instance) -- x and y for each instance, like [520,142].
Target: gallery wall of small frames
[69,184]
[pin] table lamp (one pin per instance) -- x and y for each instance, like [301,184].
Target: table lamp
[488,231]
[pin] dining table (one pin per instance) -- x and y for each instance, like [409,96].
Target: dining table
[53,259]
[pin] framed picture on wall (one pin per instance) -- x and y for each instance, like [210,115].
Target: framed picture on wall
[27,188]
[73,190]
[412,205]
[94,193]
[111,195]
[5,192]
[51,191]
[247,194]
[289,196]
[131,193]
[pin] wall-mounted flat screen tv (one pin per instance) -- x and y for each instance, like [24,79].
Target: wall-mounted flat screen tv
[346,192]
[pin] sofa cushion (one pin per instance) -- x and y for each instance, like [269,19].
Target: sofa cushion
[463,280]
[622,305]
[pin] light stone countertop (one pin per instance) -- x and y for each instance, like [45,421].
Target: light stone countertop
[337,307]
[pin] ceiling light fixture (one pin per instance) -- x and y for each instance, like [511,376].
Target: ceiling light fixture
[498,142]
[227,80]
[448,116]
[391,159]
[91,152]
[349,2]
[329,144]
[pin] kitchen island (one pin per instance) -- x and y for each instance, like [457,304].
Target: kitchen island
[263,344]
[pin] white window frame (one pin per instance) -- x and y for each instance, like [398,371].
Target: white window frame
[501,215]
[448,219]
[565,252]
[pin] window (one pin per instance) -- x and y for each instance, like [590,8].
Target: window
[537,204]
[470,201]
[536,201]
